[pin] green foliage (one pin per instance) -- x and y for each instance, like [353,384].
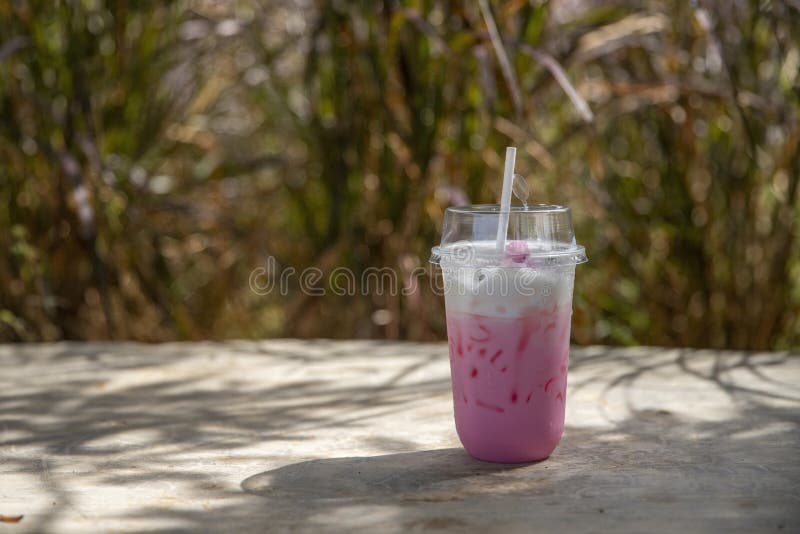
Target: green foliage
[155,152]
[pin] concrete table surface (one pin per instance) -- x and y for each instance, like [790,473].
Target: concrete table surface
[317,436]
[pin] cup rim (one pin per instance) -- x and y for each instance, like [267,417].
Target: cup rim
[572,255]
[493,209]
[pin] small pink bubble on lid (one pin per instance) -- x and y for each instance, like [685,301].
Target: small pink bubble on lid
[501,309]
[517,250]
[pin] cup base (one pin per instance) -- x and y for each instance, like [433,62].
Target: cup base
[503,459]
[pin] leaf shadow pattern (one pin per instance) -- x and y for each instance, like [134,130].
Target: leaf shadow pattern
[254,436]
[648,472]
[128,415]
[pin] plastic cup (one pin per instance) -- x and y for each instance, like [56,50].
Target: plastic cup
[508,327]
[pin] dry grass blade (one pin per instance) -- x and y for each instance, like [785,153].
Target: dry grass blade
[558,73]
[619,34]
[502,57]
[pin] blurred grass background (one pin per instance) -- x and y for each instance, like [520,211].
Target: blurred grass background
[152,154]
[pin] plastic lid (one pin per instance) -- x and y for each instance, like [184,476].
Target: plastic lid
[538,235]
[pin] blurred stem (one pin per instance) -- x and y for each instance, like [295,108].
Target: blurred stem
[502,57]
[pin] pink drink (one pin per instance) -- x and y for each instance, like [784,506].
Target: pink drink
[508,307]
[509,377]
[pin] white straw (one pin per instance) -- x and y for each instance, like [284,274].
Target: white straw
[505,198]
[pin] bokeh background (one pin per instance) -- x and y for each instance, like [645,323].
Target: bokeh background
[154,153]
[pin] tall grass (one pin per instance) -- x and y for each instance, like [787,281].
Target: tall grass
[154,154]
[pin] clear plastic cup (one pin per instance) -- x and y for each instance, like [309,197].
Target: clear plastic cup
[508,326]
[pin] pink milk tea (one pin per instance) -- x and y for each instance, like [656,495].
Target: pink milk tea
[508,359]
[508,327]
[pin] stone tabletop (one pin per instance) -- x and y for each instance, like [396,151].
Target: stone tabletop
[318,436]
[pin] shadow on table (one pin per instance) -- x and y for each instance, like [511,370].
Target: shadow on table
[651,470]
[405,475]
[90,399]
[115,407]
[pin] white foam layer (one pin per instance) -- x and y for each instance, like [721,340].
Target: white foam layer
[506,291]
